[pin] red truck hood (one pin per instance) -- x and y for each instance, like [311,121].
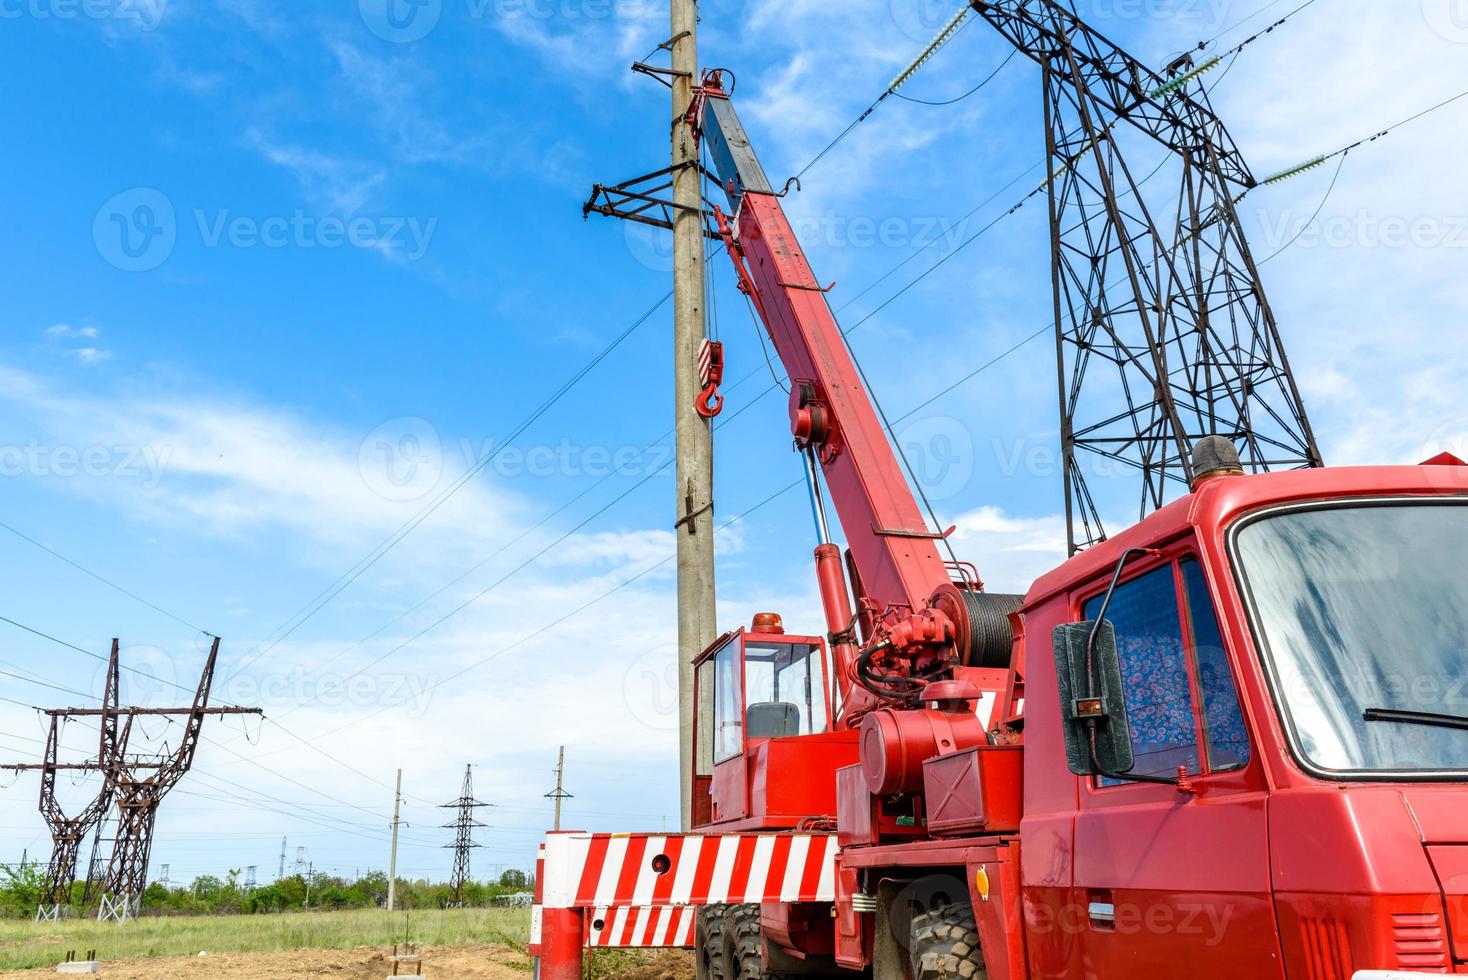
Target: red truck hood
[1442,818]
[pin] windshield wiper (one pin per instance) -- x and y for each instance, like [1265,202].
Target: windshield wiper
[1417,718]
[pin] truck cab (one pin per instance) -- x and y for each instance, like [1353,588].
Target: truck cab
[1293,653]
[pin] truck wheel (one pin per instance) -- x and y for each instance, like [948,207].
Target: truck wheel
[711,954]
[747,961]
[945,945]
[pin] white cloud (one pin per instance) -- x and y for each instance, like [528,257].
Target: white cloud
[64,330]
[1010,552]
[334,183]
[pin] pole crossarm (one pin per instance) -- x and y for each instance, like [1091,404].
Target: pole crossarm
[647,200]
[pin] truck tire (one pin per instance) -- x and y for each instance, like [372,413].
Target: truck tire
[711,960]
[945,945]
[747,958]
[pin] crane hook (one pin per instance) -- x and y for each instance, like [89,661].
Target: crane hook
[710,373]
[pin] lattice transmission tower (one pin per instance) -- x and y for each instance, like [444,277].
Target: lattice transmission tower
[463,826]
[68,832]
[140,787]
[1163,331]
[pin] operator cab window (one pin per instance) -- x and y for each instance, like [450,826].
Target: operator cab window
[728,703]
[786,690]
[1179,689]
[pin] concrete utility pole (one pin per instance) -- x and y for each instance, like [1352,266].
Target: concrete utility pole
[695,468]
[560,793]
[392,866]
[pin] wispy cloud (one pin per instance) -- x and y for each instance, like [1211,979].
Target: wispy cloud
[335,183]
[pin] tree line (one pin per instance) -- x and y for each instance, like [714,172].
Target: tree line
[21,885]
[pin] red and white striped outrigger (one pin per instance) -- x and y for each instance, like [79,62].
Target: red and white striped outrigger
[644,890]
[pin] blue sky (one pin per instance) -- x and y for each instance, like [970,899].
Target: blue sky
[276,274]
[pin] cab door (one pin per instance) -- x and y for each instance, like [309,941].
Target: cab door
[1172,883]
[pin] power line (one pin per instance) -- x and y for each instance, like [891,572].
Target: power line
[105,581]
[970,240]
[363,565]
[574,612]
[97,656]
[652,568]
[532,559]
[973,91]
[1306,226]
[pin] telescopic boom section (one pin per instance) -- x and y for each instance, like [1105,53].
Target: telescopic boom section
[893,551]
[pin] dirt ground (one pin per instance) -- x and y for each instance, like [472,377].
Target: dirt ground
[460,963]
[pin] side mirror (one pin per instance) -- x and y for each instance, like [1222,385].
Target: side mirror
[1098,738]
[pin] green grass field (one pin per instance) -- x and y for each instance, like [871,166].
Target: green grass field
[24,945]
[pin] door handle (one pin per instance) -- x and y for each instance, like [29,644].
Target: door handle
[1103,913]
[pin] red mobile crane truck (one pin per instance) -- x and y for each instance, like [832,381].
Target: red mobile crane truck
[1229,741]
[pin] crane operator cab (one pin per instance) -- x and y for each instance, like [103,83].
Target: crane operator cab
[763,704]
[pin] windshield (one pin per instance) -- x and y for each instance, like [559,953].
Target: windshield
[1363,609]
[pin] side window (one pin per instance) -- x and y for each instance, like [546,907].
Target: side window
[728,703]
[1179,688]
[1154,672]
[1223,720]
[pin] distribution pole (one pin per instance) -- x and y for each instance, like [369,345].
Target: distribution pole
[392,867]
[560,793]
[695,468]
